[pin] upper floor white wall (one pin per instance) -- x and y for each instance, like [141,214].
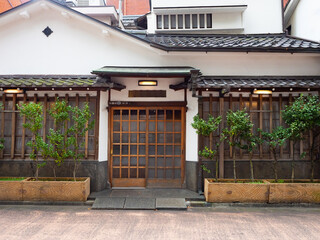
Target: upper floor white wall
[258,17]
[305,20]
[79,45]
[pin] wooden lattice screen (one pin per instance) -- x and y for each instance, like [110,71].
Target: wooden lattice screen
[265,113]
[15,136]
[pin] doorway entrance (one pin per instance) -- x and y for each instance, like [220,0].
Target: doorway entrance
[147,146]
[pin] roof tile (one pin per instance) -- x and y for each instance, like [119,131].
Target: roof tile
[271,42]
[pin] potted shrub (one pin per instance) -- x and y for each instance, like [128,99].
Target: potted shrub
[54,153]
[302,116]
[239,131]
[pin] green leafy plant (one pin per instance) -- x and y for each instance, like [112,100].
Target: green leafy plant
[81,125]
[59,139]
[301,116]
[238,130]
[34,122]
[275,140]
[206,128]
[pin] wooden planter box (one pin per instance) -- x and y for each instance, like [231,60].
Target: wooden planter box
[61,190]
[226,191]
[301,191]
[11,190]
[45,190]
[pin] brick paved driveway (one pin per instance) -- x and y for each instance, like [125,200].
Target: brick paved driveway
[78,222]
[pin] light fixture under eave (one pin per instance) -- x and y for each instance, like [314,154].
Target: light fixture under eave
[14,90]
[257,91]
[148,83]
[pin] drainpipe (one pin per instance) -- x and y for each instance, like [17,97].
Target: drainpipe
[120,11]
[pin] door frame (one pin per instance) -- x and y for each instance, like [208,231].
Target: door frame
[150,183]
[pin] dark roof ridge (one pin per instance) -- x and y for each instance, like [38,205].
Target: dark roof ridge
[47,76]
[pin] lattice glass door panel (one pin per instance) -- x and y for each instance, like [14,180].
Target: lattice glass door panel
[165,143]
[147,146]
[128,149]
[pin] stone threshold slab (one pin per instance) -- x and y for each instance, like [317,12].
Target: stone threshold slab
[121,203]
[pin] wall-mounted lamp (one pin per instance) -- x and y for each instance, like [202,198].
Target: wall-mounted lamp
[148,83]
[18,90]
[256,91]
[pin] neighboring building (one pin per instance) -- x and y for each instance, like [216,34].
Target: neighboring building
[196,58]
[302,18]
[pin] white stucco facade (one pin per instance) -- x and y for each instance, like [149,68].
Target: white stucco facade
[79,45]
[228,16]
[304,17]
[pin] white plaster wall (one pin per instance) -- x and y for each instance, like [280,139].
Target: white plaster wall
[261,16]
[132,84]
[103,127]
[78,46]
[306,19]
[191,135]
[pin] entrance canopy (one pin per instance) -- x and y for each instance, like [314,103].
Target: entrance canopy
[115,71]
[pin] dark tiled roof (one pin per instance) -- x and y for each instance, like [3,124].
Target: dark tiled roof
[254,82]
[144,71]
[260,43]
[57,81]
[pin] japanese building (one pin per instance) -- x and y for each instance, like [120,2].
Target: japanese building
[145,86]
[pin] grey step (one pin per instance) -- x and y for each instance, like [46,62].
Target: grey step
[108,203]
[121,203]
[171,204]
[140,204]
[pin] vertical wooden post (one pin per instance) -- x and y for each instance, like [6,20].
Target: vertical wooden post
[250,107]
[56,96]
[241,102]
[210,112]
[2,118]
[87,133]
[260,124]
[66,98]
[230,107]
[291,142]
[280,121]
[96,130]
[240,108]
[221,148]
[23,141]
[13,126]
[45,105]
[270,117]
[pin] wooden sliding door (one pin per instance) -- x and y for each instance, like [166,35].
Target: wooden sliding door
[147,146]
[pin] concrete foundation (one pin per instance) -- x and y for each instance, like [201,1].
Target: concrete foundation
[264,169]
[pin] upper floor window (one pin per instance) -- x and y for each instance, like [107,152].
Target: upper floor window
[184,21]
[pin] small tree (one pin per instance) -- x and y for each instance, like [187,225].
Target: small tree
[59,139]
[81,124]
[206,128]
[303,115]
[34,122]
[238,129]
[275,140]
[250,143]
